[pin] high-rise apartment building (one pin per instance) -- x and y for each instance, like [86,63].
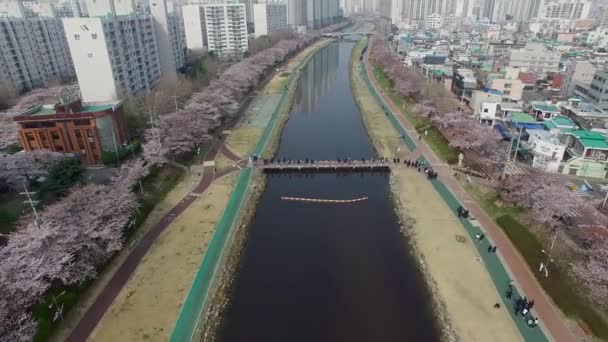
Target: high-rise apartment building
[510,10]
[313,14]
[269,18]
[33,50]
[195,26]
[226,27]
[115,51]
[171,47]
[566,9]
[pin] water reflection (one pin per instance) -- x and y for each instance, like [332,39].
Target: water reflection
[317,78]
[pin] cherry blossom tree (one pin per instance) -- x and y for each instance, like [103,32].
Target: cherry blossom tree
[75,236]
[593,271]
[179,132]
[14,168]
[546,195]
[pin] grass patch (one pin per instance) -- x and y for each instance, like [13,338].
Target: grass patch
[11,208]
[242,140]
[383,136]
[436,141]
[223,163]
[559,285]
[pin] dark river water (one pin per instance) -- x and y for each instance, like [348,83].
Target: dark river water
[325,272]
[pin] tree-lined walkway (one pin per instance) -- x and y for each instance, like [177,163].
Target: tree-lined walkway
[106,297]
[551,318]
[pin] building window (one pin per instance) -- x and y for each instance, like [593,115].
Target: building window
[507,92]
[485,110]
[90,55]
[508,85]
[76,37]
[94,35]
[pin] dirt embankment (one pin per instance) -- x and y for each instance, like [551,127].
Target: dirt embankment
[463,293]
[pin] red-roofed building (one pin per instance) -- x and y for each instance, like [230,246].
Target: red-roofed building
[556,81]
[528,78]
[85,129]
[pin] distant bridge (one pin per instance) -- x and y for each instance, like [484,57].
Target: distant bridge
[341,35]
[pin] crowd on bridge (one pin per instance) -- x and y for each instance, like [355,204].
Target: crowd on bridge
[421,166]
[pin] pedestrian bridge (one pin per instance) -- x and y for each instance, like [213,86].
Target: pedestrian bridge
[324,166]
[341,35]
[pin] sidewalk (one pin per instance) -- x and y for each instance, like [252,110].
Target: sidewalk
[552,321]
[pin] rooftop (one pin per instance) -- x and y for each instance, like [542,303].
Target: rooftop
[590,139]
[521,117]
[50,110]
[544,107]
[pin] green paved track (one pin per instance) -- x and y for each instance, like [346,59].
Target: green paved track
[192,311]
[495,268]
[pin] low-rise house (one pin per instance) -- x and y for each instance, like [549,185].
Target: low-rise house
[547,150]
[491,113]
[586,154]
[524,121]
[560,123]
[85,129]
[542,110]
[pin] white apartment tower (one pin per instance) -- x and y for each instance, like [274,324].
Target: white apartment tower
[566,9]
[171,46]
[115,51]
[195,27]
[216,25]
[269,18]
[33,51]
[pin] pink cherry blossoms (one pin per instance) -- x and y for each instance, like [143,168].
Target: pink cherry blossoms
[182,131]
[74,237]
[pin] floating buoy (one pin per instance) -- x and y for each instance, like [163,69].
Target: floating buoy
[318,200]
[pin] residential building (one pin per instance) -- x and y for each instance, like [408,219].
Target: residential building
[433,22]
[194,27]
[505,10]
[586,154]
[577,72]
[33,50]
[566,9]
[171,46]
[511,89]
[598,38]
[87,130]
[269,18]
[503,47]
[597,92]
[542,110]
[463,84]
[226,28]
[547,149]
[490,113]
[116,54]
[535,57]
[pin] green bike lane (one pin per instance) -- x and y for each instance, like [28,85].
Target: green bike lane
[492,261]
[191,313]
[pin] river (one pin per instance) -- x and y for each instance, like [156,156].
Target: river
[319,272]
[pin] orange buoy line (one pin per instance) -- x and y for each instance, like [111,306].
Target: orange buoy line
[317,200]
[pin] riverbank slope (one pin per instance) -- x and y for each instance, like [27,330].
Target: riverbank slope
[454,271]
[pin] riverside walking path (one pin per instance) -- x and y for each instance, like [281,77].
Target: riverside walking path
[552,320]
[96,311]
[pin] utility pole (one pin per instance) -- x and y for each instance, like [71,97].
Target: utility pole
[545,266]
[31,202]
[175,97]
